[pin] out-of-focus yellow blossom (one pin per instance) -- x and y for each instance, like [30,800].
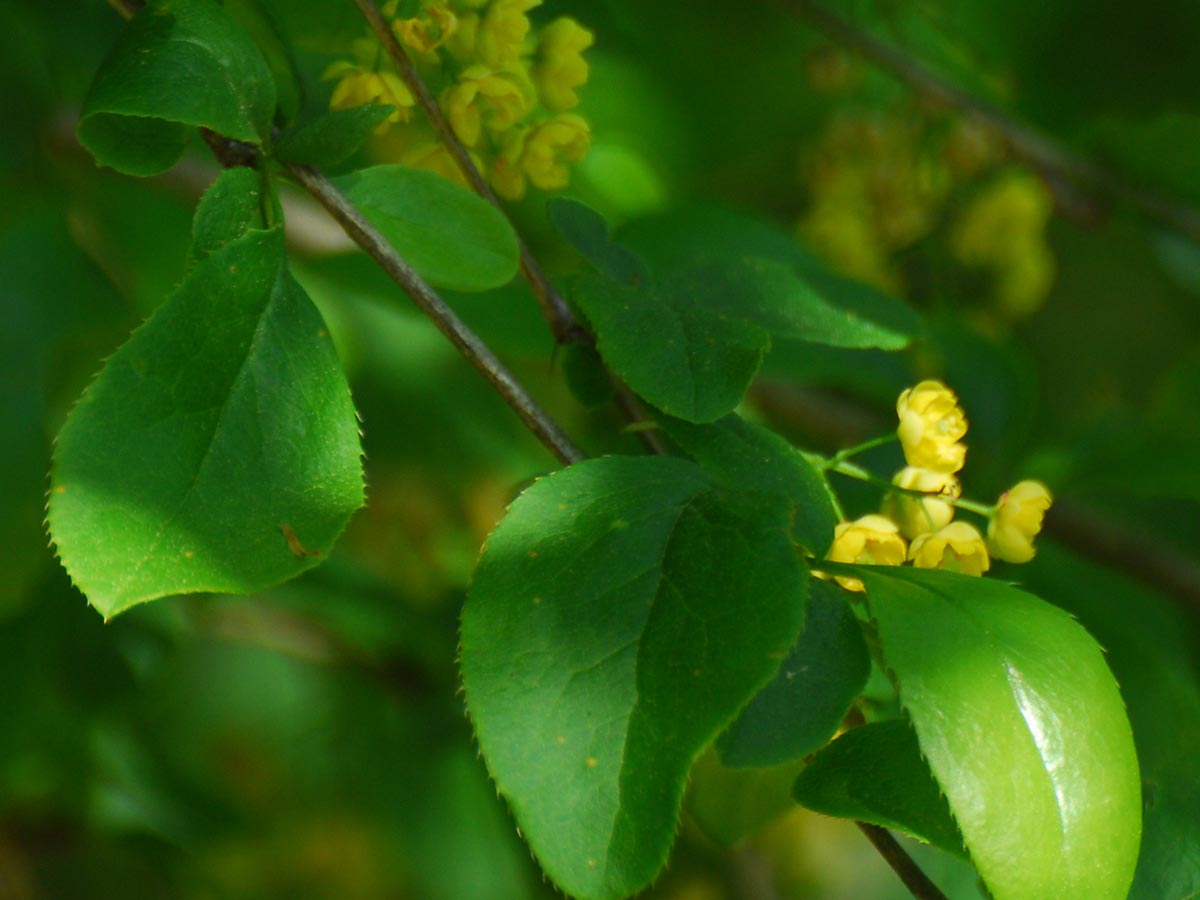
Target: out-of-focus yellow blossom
[506,176]
[550,145]
[483,97]
[560,66]
[1017,520]
[434,156]
[428,31]
[500,41]
[830,69]
[958,547]
[466,36]
[358,86]
[842,233]
[873,540]
[1003,230]
[931,426]
[917,516]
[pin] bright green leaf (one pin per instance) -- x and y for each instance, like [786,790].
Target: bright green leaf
[1147,642]
[231,206]
[1022,725]
[453,238]
[691,362]
[876,774]
[178,64]
[803,706]
[332,136]
[217,450]
[621,614]
[752,458]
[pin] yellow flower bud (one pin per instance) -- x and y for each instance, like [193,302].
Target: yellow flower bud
[428,31]
[481,97]
[560,66]
[931,426]
[1017,521]
[358,87]
[958,547]
[917,516]
[500,41]
[872,540]
[550,145]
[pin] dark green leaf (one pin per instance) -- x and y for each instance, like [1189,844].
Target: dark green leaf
[587,232]
[453,238]
[792,304]
[332,136]
[1147,643]
[689,361]
[1022,725]
[876,774]
[803,706]
[231,206]
[621,614]
[752,458]
[586,376]
[217,450]
[263,28]
[178,64]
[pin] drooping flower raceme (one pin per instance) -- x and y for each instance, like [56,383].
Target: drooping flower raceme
[958,547]
[873,540]
[921,515]
[1017,521]
[931,426]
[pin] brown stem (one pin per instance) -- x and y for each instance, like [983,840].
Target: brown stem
[566,329]
[1045,154]
[902,864]
[468,343]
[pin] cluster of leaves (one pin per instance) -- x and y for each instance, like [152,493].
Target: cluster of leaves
[629,611]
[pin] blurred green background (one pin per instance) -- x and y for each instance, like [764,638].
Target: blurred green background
[310,742]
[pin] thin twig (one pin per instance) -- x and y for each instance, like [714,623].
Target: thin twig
[562,323]
[467,342]
[1045,154]
[902,864]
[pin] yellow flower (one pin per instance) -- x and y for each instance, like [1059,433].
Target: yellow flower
[1017,521]
[480,97]
[872,540]
[917,516]
[358,86]
[550,145]
[999,223]
[466,36]
[560,66]
[506,176]
[434,156]
[427,32]
[958,547]
[502,30]
[931,426]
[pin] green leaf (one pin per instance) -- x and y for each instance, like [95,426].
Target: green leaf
[1147,641]
[1022,725]
[792,304]
[179,64]
[453,238]
[752,458]
[586,376]
[621,614]
[332,136]
[876,774]
[586,230]
[687,360]
[705,234]
[232,205]
[803,706]
[732,804]
[217,450]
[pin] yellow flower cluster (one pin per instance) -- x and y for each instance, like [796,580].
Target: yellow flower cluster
[506,91]
[932,426]
[880,186]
